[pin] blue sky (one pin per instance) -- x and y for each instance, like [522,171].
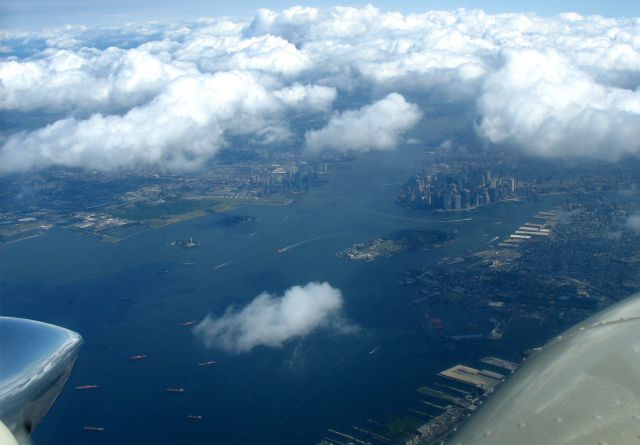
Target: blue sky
[33,14]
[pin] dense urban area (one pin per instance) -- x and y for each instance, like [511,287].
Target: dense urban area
[110,206]
[556,270]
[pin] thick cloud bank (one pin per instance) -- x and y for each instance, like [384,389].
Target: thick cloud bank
[171,95]
[183,125]
[271,320]
[544,104]
[373,127]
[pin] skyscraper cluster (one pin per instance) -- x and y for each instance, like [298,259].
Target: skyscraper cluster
[459,191]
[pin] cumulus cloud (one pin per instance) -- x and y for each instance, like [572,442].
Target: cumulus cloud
[86,79]
[633,223]
[559,86]
[307,97]
[543,104]
[378,126]
[179,129]
[273,320]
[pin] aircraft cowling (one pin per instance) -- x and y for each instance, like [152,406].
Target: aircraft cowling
[36,361]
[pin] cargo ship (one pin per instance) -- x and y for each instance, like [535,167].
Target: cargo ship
[83,387]
[138,357]
[178,390]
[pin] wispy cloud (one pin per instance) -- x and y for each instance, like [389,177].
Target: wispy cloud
[633,222]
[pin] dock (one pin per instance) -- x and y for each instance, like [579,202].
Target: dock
[483,379]
[500,363]
[462,402]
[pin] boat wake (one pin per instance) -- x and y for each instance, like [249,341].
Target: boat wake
[493,239]
[300,243]
[455,220]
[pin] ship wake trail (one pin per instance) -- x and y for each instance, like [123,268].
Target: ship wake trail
[493,239]
[221,265]
[300,243]
[307,397]
[454,220]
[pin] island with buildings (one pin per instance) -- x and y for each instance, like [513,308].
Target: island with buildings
[397,242]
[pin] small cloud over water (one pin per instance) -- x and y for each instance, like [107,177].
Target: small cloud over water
[271,320]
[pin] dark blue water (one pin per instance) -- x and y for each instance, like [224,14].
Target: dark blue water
[123,303]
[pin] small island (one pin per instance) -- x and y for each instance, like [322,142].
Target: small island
[397,242]
[235,220]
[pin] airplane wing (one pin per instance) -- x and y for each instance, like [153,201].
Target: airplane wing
[583,387]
